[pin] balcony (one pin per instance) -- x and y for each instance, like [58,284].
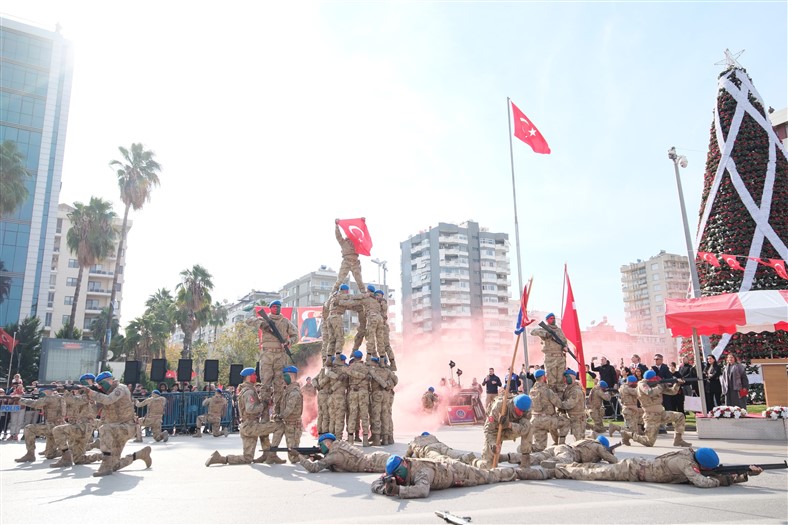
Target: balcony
[101,273]
[99,291]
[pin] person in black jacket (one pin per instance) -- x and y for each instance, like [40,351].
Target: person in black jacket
[686,370]
[711,376]
[608,374]
[663,372]
[492,382]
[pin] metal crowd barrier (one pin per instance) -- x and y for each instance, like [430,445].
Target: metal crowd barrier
[183,408]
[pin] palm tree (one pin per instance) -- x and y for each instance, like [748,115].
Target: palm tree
[13,176]
[161,305]
[91,237]
[137,176]
[146,338]
[218,316]
[193,303]
[98,326]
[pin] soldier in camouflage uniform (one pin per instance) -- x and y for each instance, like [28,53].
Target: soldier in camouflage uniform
[334,326]
[52,405]
[217,407]
[583,451]
[429,401]
[323,386]
[428,446]
[573,403]
[350,262]
[415,478]
[650,393]
[251,407]
[544,402]
[387,426]
[680,466]
[337,401]
[515,417]
[272,354]
[378,384]
[358,397]
[340,456]
[292,409]
[633,414]
[71,438]
[554,354]
[374,320]
[156,405]
[118,425]
[380,295]
[596,406]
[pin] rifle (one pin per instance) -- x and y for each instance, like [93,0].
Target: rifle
[672,380]
[306,451]
[277,333]
[742,469]
[612,448]
[557,339]
[452,518]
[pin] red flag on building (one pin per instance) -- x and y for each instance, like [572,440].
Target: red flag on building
[7,341]
[525,130]
[571,328]
[732,261]
[709,258]
[356,230]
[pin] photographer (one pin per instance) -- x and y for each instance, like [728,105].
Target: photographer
[492,383]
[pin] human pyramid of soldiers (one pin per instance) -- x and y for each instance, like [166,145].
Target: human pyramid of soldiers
[356,397]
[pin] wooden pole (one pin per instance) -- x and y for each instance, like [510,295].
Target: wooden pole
[498,440]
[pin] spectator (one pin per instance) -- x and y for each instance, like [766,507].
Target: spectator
[590,379]
[607,372]
[676,401]
[175,387]
[637,372]
[711,375]
[734,383]
[16,419]
[514,383]
[687,371]
[163,387]
[476,386]
[492,382]
[637,364]
[661,368]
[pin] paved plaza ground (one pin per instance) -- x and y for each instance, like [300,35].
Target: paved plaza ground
[178,488]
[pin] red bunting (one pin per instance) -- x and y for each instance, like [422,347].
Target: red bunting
[709,258]
[732,261]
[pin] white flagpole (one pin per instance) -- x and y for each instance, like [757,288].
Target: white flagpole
[516,225]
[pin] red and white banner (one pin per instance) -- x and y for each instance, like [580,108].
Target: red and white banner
[757,311]
[733,262]
[356,230]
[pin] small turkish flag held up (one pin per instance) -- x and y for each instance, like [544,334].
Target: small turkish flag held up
[170,374]
[525,130]
[356,230]
[709,258]
[778,265]
[732,261]
[7,341]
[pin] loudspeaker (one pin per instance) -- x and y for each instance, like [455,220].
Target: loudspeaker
[235,375]
[158,369]
[184,370]
[131,374]
[211,372]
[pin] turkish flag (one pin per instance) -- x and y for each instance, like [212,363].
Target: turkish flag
[356,230]
[170,374]
[778,265]
[732,261]
[7,341]
[525,130]
[570,324]
[709,258]
[522,317]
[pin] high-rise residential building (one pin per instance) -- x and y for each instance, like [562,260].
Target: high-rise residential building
[96,285]
[646,285]
[35,89]
[456,290]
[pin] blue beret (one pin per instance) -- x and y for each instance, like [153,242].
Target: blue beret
[393,464]
[103,375]
[327,435]
[539,373]
[85,377]
[156,392]
[247,371]
[290,370]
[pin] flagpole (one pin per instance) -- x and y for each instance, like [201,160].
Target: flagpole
[516,223]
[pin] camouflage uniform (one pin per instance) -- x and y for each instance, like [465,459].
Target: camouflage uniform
[378,384]
[514,427]
[573,402]
[292,408]
[361,329]
[310,401]
[52,406]
[118,426]
[554,356]
[544,402]
[387,427]
[429,401]
[156,405]
[596,408]
[678,466]
[583,451]
[273,357]
[344,457]
[337,401]
[217,407]
[384,313]
[73,435]
[334,337]
[350,262]
[432,474]
[374,321]
[323,386]
[250,408]
[654,414]
[358,399]
[430,446]
[633,414]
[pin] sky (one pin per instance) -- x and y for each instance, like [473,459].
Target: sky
[271,119]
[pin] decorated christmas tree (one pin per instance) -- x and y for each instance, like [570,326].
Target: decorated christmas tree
[743,223]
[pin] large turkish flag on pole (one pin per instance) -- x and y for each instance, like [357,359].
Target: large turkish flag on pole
[570,324]
[525,130]
[356,230]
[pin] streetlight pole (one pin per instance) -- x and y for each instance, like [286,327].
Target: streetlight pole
[697,351]
[381,264]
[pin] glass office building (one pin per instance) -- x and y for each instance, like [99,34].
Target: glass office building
[35,89]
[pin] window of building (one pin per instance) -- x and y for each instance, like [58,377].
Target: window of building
[658,297]
[52,280]
[659,309]
[657,287]
[69,299]
[92,304]
[71,281]
[50,299]
[48,319]
[59,226]
[65,319]
[655,277]
[72,263]
[655,266]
